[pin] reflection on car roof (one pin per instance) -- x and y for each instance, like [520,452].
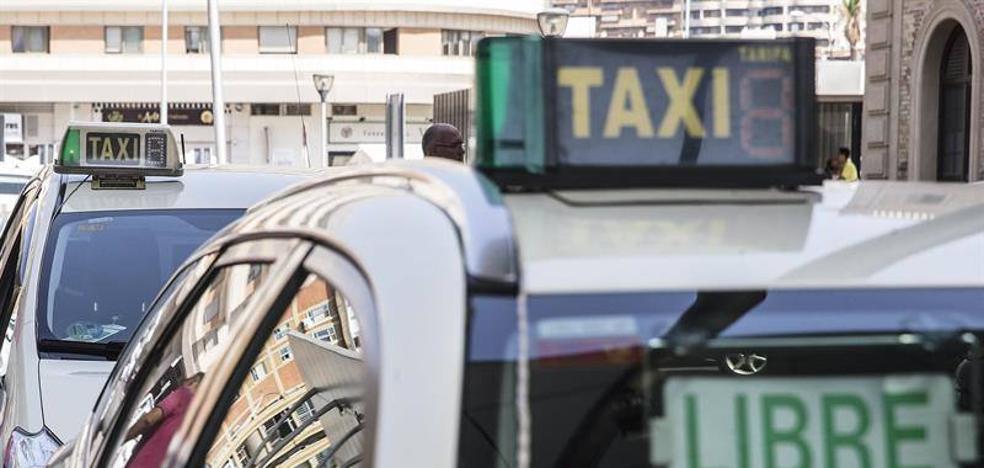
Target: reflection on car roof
[201,187]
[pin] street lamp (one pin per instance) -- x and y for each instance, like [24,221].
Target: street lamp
[323,84]
[552,22]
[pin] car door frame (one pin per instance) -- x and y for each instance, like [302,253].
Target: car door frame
[280,254]
[219,389]
[11,255]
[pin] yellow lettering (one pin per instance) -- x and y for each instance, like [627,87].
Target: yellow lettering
[124,150]
[107,149]
[628,106]
[93,146]
[580,80]
[722,103]
[681,108]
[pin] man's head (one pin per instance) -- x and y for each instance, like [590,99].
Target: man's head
[840,159]
[443,141]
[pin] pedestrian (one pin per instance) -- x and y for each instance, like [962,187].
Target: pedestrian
[443,140]
[843,167]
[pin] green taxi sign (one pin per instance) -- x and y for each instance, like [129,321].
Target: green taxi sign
[119,150]
[622,112]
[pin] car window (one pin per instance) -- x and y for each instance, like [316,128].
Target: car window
[140,348]
[103,269]
[301,401]
[718,378]
[176,368]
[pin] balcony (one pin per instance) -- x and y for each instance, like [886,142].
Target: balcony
[252,78]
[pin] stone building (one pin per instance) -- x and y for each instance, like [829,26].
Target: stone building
[923,102]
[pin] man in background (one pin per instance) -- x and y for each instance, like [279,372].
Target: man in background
[842,167]
[443,140]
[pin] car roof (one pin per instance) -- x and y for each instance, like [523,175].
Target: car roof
[201,187]
[839,235]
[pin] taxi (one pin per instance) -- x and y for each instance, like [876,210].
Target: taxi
[629,276]
[88,244]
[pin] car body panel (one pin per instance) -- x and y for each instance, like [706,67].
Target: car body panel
[85,379]
[874,234]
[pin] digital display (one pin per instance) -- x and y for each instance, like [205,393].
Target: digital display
[156,149]
[619,103]
[120,149]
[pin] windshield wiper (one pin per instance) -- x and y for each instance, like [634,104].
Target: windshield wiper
[110,350]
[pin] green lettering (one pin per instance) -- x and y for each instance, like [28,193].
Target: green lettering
[773,436]
[832,439]
[895,435]
[693,433]
[741,430]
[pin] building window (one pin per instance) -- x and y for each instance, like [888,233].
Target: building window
[736,12]
[354,40]
[733,29]
[344,110]
[297,109]
[280,332]
[124,39]
[242,455]
[304,412]
[953,156]
[769,11]
[278,427]
[278,39]
[196,39]
[460,43]
[264,109]
[328,334]
[285,354]
[796,26]
[30,39]
[712,13]
[258,371]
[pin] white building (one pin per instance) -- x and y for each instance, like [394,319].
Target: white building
[63,60]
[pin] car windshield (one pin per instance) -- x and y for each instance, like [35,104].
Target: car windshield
[102,270]
[11,187]
[730,378]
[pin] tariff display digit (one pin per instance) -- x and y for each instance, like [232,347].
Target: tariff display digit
[679,103]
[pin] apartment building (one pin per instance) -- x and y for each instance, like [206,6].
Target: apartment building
[63,60]
[820,19]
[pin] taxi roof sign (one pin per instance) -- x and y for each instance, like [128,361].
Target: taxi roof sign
[568,113]
[119,150]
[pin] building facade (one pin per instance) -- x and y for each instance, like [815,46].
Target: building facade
[821,19]
[63,60]
[923,106]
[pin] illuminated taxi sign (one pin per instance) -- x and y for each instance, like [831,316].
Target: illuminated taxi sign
[118,149]
[645,112]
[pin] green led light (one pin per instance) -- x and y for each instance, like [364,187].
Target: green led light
[510,106]
[71,149]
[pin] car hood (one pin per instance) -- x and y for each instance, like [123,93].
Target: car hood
[68,392]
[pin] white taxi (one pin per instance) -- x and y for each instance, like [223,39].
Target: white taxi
[83,257]
[576,300]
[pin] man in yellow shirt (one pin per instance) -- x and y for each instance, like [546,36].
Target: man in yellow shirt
[844,168]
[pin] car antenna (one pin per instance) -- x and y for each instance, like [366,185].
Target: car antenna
[76,189]
[300,115]
[184,160]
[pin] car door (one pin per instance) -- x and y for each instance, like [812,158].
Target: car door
[300,390]
[190,346]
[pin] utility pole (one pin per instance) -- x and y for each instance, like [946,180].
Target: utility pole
[163,62]
[686,18]
[218,104]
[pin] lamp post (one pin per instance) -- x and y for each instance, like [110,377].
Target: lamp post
[552,22]
[323,84]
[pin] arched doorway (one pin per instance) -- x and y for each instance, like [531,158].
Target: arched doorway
[953,153]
